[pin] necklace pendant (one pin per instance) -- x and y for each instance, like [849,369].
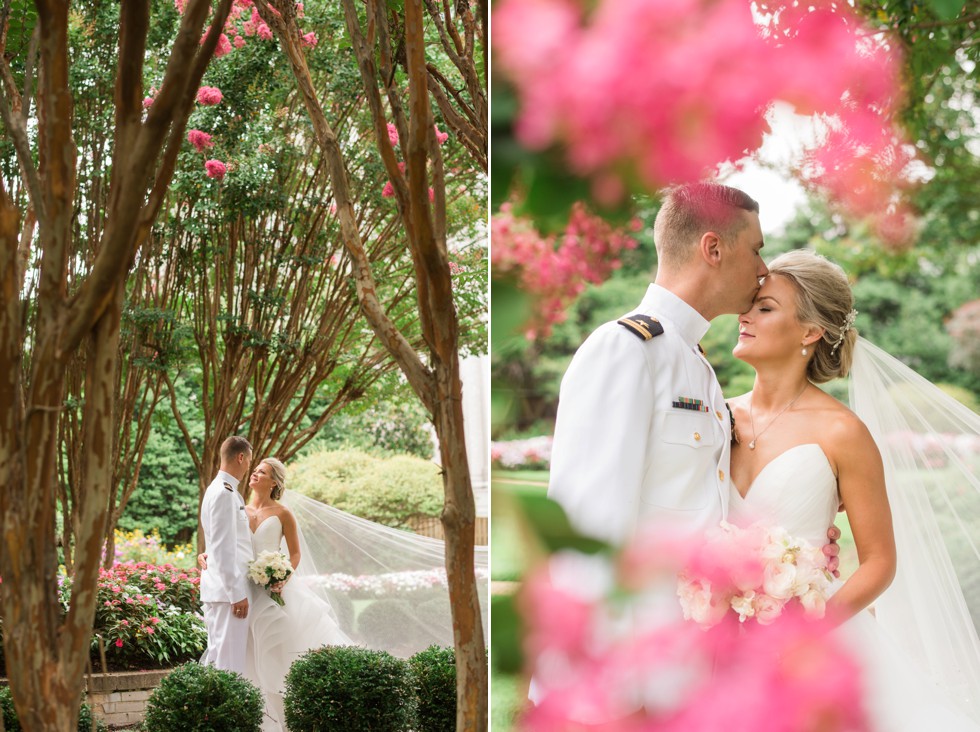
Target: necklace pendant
[752,445]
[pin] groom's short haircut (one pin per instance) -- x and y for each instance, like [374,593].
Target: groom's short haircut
[692,209]
[234,446]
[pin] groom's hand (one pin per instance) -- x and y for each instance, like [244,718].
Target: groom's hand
[240,609]
[831,551]
[202,561]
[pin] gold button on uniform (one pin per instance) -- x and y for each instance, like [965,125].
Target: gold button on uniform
[718,414]
[721,475]
[697,436]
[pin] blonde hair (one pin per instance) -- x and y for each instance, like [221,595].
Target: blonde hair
[691,210]
[824,299]
[278,475]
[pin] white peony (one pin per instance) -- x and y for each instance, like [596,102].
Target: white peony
[779,580]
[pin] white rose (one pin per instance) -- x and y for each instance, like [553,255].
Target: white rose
[744,605]
[767,609]
[778,580]
[699,603]
[813,603]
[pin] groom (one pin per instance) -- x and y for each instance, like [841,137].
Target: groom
[643,433]
[224,592]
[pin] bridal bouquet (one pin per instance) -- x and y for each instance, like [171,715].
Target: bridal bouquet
[753,572]
[270,568]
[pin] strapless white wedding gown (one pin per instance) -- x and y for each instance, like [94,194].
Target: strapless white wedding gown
[798,491]
[278,635]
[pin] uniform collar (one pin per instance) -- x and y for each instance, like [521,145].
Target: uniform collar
[228,478]
[689,322]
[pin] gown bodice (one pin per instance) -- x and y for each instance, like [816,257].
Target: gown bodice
[796,490]
[268,536]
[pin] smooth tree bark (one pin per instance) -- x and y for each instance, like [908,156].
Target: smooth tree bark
[432,372]
[46,652]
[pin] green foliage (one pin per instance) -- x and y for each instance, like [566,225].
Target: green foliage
[12,724]
[434,670]
[349,689]
[196,698]
[386,490]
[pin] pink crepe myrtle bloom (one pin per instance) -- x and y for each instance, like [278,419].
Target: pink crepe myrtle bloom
[147,102]
[209,95]
[310,40]
[432,194]
[392,135]
[180,4]
[440,136]
[239,41]
[224,45]
[300,11]
[119,643]
[264,32]
[215,169]
[388,191]
[200,140]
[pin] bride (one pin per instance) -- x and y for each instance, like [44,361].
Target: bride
[801,456]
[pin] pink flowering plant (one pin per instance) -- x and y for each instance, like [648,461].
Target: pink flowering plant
[631,95]
[146,616]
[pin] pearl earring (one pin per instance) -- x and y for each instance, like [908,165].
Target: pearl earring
[803,351]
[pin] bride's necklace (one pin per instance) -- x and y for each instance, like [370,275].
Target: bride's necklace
[755,436]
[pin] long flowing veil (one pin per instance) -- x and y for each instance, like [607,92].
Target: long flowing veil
[386,588]
[930,444]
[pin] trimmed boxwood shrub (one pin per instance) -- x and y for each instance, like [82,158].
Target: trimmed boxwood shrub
[196,698]
[349,689]
[12,724]
[434,676]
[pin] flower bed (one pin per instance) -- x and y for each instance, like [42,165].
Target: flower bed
[532,453]
[377,586]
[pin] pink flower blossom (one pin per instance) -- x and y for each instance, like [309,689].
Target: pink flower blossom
[588,82]
[300,11]
[147,102]
[180,4]
[264,32]
[124,623]
[209,95]
[200,140]
[441,136]
[148,630]
[392,134]
[239,41]
[556,268]
[119,643]
[310,40]
[224,45]
[432,194]
[215,169]
[388,191]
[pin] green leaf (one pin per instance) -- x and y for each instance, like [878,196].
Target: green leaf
[551,192]
[946,9]
[550,524]
[505,641]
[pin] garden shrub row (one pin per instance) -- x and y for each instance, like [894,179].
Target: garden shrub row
[336,688]
[12,724]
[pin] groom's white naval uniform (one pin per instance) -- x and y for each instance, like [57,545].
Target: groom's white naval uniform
[643,433]
[229,546]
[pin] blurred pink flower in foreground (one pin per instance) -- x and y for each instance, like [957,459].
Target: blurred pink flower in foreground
[556,268]
[209,95]
[200,140]
[310,40]
[215,169]
[595,667]
[663,91]
[441,137]
[147,102]
[392,135]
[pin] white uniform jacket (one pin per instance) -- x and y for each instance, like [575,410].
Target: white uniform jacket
[643,433]
[227,541]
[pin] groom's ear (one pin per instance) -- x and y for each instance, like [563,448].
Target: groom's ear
[709,248]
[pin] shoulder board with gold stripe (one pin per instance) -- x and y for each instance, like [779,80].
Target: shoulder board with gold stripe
[642,326]
[228,487]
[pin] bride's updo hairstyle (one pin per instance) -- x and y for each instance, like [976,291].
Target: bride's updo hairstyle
[823,298]
[278,475]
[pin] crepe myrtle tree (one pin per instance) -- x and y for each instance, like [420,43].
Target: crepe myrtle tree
[390,48]
[45,652]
